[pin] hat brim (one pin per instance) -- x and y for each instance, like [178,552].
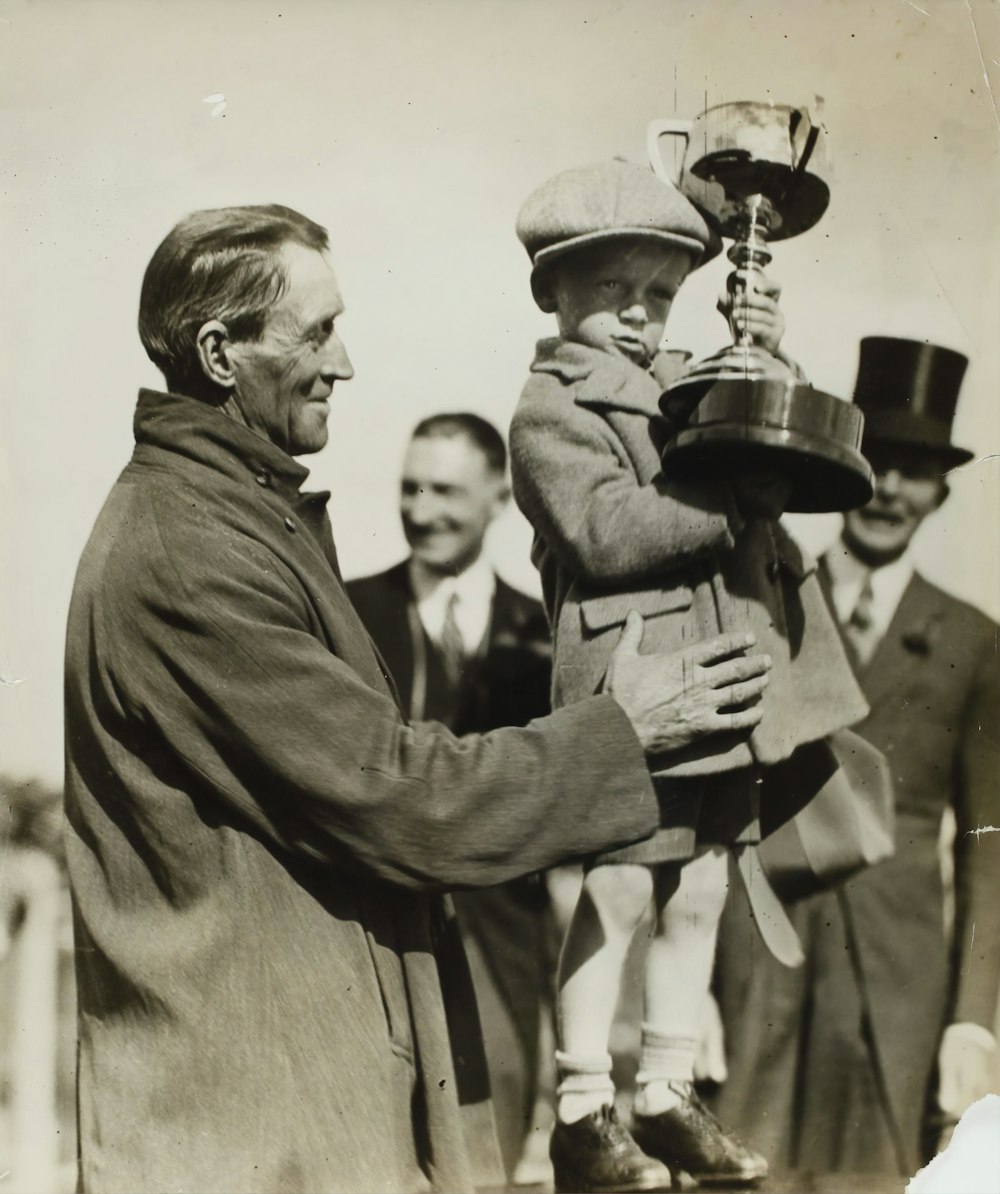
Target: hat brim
[891,428]
[698,250]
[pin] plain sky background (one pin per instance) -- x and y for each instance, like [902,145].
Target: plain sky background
[413,130]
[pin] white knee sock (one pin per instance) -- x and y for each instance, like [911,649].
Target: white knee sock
[584,1086]
[664,1061]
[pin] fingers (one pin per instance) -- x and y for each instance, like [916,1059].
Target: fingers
[740,694]
[738,670]
[719,647]
[740,719]
[753,282]
[631,639]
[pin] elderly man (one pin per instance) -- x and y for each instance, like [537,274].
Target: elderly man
[258,841]
[468,650]
[834,1066]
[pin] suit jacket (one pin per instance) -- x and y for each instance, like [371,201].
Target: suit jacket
[507,685]
[258,842]
[933,684]
[614,533]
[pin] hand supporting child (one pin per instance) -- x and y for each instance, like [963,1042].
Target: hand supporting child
[694,685]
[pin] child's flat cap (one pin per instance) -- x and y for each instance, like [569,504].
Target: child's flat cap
[608,200]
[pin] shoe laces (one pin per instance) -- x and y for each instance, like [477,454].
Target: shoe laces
[688,1093]
[609,1116]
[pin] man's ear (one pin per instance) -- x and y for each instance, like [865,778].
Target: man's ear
[502,497]
[212,346]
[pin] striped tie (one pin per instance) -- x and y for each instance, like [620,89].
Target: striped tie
[451,644]
[860,626]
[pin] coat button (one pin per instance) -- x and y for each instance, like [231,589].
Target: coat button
[263,479]
[289,524]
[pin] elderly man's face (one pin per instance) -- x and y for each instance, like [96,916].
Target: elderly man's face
[909,485]
[449,495]
[284,381]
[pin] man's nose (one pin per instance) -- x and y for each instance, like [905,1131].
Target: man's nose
[420,508]
[887,483]
[335,364]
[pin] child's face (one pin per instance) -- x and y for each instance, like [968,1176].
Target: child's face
[617,295]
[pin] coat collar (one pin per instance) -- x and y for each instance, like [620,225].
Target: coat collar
[605,381]
[186,428]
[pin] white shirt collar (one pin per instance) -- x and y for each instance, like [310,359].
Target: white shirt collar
[474,589]
[848,575]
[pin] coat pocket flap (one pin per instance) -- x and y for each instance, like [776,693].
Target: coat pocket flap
[611,609]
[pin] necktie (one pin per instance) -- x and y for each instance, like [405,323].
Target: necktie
[860,626]
[451,644]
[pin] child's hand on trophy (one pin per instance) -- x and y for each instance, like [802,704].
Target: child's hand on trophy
[750,305]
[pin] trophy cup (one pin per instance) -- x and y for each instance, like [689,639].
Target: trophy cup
[756,172]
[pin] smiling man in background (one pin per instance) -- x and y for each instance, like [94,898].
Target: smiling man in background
[467,649]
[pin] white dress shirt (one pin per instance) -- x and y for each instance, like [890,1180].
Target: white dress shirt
[473,589]
[848,575]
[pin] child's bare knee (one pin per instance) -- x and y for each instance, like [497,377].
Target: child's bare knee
[704,885]
[621,893]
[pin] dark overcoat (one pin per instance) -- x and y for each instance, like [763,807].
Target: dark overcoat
[508,930]
[257,842]
[825,1059]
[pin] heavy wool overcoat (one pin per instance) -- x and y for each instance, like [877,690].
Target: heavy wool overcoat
[508,930]
[831,1066]
[614,533]
[257,842]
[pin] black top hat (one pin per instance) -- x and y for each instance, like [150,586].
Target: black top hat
[908,391]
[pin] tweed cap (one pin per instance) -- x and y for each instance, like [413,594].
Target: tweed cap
[608,200]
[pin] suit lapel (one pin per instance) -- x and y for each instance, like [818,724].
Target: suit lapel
[907,644]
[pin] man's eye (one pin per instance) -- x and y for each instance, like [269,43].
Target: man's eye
[324,330]
[662,294]
[612,285]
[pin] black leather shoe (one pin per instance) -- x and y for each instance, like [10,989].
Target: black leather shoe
[689,1137]
[596,1155]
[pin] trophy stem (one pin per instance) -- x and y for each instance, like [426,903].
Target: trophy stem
[751,225]
[749,250]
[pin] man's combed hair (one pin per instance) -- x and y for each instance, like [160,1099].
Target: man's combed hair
[220,264]
[478,431]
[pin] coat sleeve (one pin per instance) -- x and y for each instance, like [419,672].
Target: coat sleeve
[977,847]
[213,654]
[575,486]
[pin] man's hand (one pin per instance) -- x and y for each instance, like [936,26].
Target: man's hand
[673,700]
[750,305]
[965,1065]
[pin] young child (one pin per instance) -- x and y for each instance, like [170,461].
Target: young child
[610,247]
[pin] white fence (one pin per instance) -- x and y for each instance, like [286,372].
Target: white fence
[36,1025]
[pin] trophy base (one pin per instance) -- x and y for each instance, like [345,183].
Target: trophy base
[779,424]
[738,362]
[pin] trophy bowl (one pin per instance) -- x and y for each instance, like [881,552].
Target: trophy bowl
[774,155]
[782,425]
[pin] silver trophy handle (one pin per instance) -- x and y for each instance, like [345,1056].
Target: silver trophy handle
[663,128]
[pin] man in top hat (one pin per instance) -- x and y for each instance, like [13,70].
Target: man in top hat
[886,1031]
